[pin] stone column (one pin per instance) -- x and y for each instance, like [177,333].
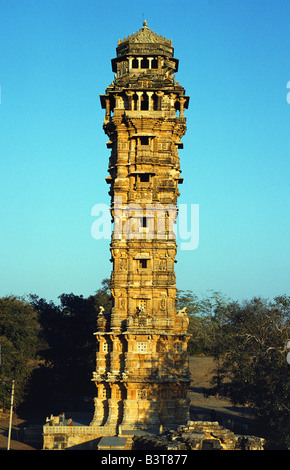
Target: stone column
[130,101]
[99,408]
[182,101]
[160,95]
[108,112]
[150,103]
[130,60]
[139,94]
[113,407]
[119,102]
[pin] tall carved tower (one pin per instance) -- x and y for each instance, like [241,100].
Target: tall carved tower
[142,373]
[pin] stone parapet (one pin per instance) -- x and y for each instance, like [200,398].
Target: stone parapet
[198,435]
[195,435]
[75,437]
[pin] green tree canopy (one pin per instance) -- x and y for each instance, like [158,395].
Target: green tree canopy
[19,329]
[205,319]
[249,343]
[254,362]
[69,345]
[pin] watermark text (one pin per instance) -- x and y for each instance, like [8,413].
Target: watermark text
[147,222]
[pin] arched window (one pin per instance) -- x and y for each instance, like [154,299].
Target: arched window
[177,108]
[144,102]
[144,63]
[155,102]
[154,64]
[135,64]
[135,102]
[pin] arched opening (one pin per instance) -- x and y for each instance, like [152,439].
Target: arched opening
[144,102]
[144,63]
[135,64]
[154,64]
[155,102]
[135,102]
[177,108]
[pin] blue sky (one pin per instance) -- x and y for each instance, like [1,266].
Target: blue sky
[234,62]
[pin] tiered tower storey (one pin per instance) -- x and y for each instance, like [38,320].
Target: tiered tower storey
[142,374]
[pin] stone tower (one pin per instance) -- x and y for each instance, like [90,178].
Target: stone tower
[142,373]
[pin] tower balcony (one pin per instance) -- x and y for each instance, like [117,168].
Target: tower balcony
[138,114]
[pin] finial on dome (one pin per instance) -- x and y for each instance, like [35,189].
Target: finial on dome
[145,24]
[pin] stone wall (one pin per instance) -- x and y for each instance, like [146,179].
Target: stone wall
[198,435]
[74,437]
[195,435]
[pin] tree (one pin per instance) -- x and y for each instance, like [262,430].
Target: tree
[69,345]
[205,320]
[249,343]
[19,328]
[255,335]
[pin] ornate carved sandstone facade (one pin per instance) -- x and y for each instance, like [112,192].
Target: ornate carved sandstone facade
[142,373]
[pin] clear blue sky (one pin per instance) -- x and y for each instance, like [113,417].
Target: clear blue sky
[55,60]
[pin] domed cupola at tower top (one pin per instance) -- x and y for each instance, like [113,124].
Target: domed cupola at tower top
[145,76]
[143,50]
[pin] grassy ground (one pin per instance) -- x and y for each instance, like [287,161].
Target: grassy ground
[205,406]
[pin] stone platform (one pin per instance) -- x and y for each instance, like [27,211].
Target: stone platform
[195,435]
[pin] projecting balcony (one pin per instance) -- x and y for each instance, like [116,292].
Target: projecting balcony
[166,184]
[143,154]
[147,113]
